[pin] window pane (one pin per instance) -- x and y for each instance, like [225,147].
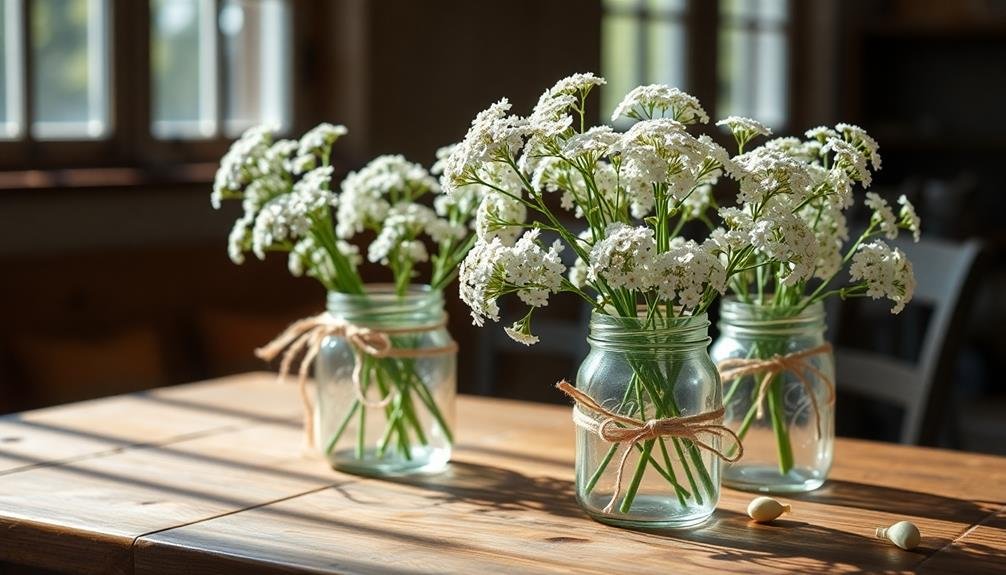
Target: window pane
[666,53]
[776,11]
[619,59]
[771,99]
[10,69]
[256,42]
[735,73]
[70,68]
[183,68]
[663,6]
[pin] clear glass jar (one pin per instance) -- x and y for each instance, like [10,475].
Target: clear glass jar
[790,447]
[412,432]
[648,370]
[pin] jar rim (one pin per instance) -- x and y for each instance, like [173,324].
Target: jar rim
[381,304]
[674,333]
[765,318]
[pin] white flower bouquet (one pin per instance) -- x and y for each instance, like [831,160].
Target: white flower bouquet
[633,193]
[290,205]
[787,241]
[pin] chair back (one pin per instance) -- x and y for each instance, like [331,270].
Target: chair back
[946,274]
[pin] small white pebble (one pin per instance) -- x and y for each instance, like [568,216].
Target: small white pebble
[904,534]
[764,509]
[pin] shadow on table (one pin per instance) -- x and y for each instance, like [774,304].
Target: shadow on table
[790,546]
[492,488]
[898,501]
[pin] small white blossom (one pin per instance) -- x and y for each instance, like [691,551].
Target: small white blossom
[492,135]
[882,215]
[744,129]
[822,134]
[909,219]
[683,273]
[492,269]
[288,217]
[861,140]
[763,173]
[367,194]
[643,101]
[851,159]
[886,273]
[241,164]
[320,139]
[624,257]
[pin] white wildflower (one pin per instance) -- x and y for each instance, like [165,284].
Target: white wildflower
[861,140]
[763,173]
[821,133]
[624,257]
[319,139]
[592,144]
[908,219]
[578,83]
[643,102]
[492,269]
[851,159]
[882,216]
[500,216]
[684,272]
[241,164]
[493,135]
[367,194]
[886,273]
[744,129]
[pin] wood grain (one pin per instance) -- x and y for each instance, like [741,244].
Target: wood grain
[69,432]
[209,478]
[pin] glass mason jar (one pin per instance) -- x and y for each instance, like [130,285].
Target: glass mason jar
[788,433]
[648,370]
[394,413]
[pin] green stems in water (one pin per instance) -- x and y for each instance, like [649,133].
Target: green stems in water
[403,429]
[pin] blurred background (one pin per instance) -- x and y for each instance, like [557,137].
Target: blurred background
[113,113]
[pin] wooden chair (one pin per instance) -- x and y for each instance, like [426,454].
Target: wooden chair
[947,275]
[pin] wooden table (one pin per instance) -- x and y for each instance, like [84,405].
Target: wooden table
[209,478]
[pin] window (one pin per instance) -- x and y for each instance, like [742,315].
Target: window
[746,54]
[643,42]
[218,71]
[753,60]
[213,68]
[10,69]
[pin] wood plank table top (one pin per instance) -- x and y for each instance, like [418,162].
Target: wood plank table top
[211,478]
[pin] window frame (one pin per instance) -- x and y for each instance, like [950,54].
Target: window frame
[130,142]
[702,20]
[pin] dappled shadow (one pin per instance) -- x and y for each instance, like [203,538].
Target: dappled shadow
[323,475]
[288,421]
[898,501]
[494,488]
[791,546]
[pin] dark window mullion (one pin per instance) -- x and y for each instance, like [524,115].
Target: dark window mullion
[28,79]
[221,80]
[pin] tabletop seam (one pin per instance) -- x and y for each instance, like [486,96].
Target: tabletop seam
[972,528]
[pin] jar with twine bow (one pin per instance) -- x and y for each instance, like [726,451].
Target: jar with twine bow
[650,438]
[385,368]
[778,375]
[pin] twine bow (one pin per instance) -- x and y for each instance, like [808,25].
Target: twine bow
[615,428]
[796,363]
[305,337]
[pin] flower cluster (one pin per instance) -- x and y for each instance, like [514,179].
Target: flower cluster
[633,191]
[625,187]
[290,206]
[789,224]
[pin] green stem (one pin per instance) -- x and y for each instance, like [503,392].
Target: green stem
[777,412]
